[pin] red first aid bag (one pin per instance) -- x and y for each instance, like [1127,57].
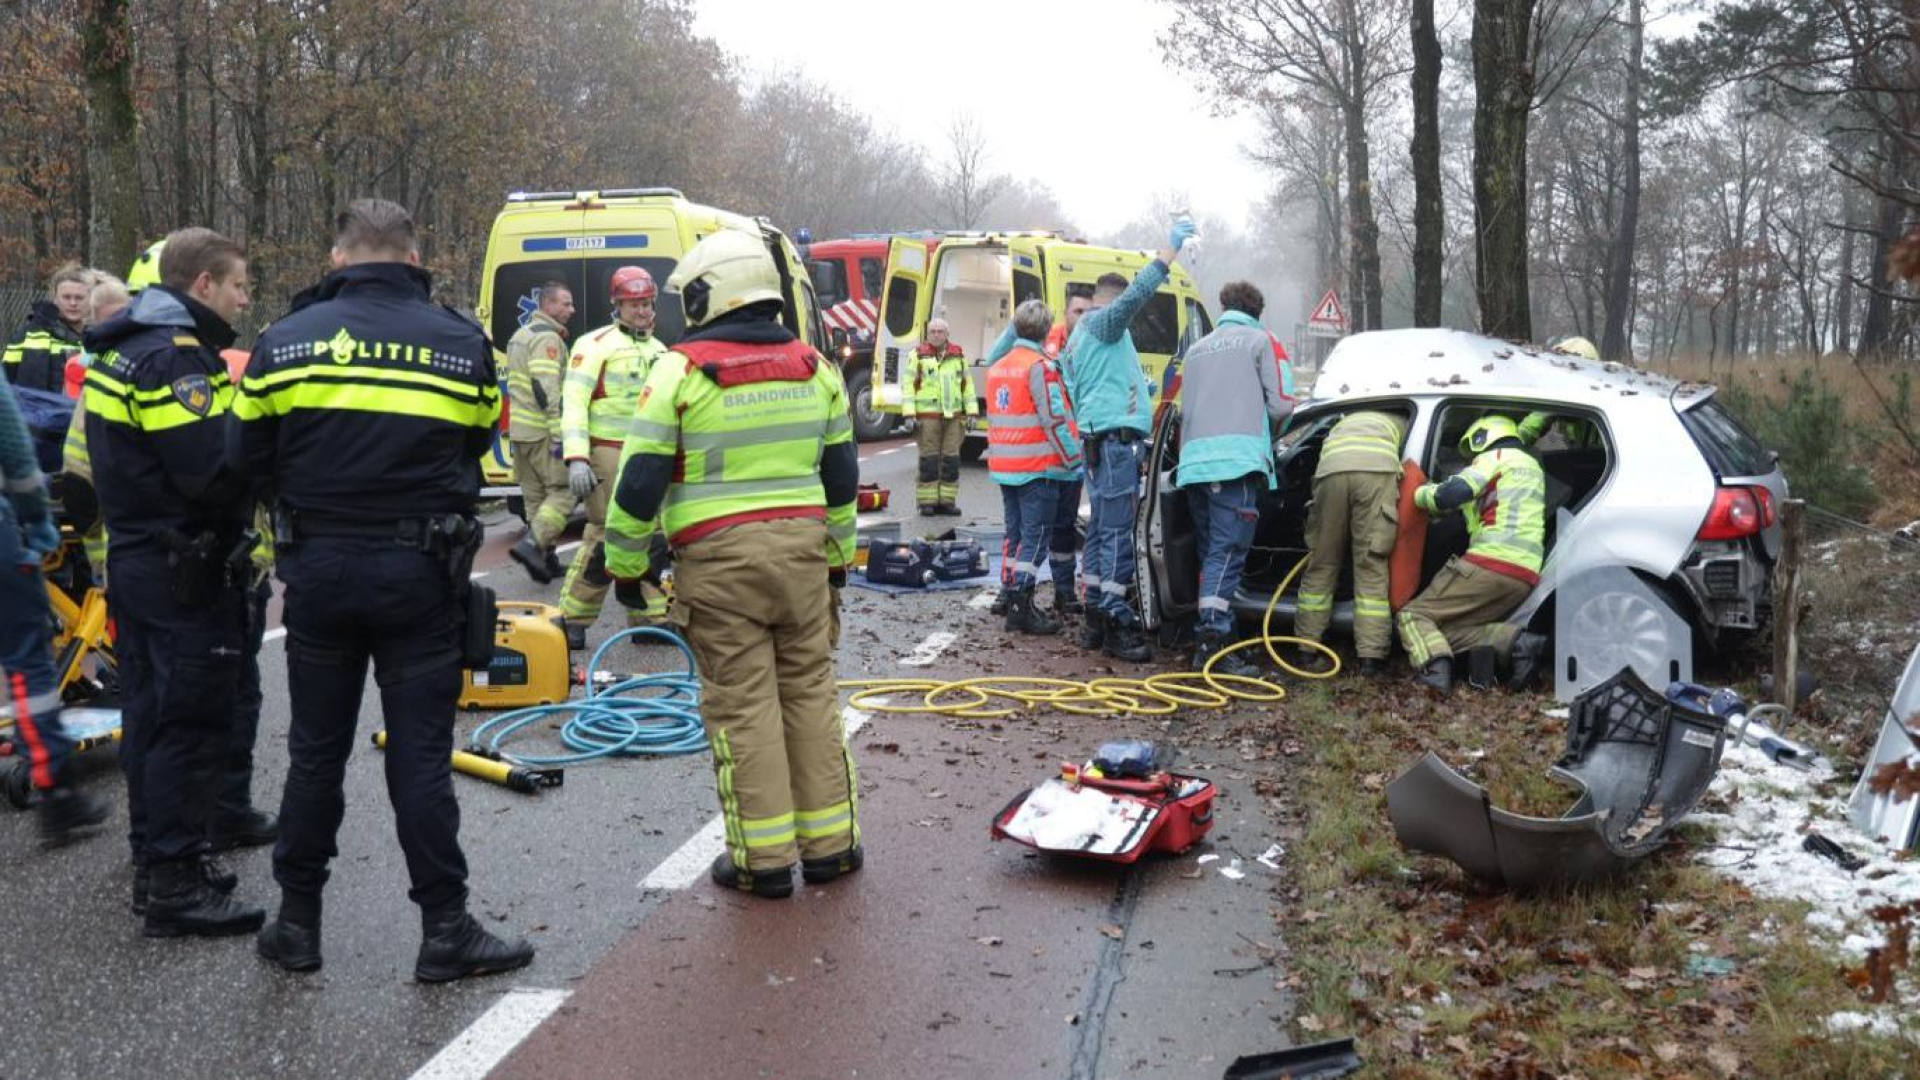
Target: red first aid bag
[1110,820]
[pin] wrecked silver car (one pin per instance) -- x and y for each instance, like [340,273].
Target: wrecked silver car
[1641,762]
[1656,478]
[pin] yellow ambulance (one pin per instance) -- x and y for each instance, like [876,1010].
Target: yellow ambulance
[580,238]
[975,280]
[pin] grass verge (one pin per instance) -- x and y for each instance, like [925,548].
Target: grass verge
[1674,970]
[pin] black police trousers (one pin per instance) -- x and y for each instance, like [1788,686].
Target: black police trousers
[235,794]
[350,601]
[179,668]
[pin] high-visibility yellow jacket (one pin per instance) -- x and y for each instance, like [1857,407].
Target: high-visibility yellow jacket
[730,432]
[535,357]
[1504,497]
[1365,441]
[940,383]
[602,390]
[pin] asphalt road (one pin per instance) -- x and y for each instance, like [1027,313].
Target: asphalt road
[950,955]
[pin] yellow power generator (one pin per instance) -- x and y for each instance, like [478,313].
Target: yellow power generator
[530,662]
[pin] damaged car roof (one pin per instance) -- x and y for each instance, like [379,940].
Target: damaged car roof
[1387,362]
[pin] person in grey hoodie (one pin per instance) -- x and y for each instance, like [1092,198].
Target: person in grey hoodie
[1235,392]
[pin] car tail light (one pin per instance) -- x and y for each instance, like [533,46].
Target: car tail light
[1737,513]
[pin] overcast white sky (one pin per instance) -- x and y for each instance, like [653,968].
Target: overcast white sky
[912,65]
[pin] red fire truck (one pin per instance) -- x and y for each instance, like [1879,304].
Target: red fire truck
[848,275]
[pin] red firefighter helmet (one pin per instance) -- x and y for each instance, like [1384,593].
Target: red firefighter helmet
[632,283]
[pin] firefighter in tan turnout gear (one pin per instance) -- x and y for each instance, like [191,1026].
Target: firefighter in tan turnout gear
[1356,502]
[743,452]
[536,356]
[602,388]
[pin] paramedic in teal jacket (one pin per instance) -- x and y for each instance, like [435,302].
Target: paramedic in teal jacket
[1114,404]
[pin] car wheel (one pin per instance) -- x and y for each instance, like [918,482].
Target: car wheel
[868,423]
[1622,629]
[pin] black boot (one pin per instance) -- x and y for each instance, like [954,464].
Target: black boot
[67,815]
[1530,653]
[1093,634]
[1372,667]
[1027,619]
[293,940]
[249,828]
[527,554]
[218,878]
[928,510]
[1000,602]
[576,637]
[1437,676]
[554,570]
[771,884]
[1232,663]
[183,904]
[1066,602]
[821,871]
[1125,642]
[454,945]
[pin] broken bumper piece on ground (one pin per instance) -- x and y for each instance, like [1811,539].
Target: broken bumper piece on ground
[1640,761]
[1887,815]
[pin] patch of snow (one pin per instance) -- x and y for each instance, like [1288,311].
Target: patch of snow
[1875,1023]
[1771,809]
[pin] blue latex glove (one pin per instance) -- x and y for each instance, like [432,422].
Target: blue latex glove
[556,451]
[1183,231]
[38,541]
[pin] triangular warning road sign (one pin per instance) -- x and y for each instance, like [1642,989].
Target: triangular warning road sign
[1328,314]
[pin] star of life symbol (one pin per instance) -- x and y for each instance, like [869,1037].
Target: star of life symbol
[528,304]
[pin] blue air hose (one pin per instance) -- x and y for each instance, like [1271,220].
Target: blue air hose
[647,714]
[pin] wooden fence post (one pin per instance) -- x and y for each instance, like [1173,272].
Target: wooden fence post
[1786,603]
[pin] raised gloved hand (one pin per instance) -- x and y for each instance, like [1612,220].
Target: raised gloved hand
[38,540]
[1183,231]
[580,479]
[1423,496]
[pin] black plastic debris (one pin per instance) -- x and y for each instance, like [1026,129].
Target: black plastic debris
[1827,849]
[1639,761]
[1319,1061]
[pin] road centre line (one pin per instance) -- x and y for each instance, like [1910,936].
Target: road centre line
[930,649]
[689,862]
[487,1041]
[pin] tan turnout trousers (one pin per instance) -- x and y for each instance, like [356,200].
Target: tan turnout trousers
[755,605]
[1358,510]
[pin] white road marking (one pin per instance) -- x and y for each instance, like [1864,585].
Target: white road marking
[895,450]
[929,650]
[488,1040]
[983,599]
[689,862]
[274,634]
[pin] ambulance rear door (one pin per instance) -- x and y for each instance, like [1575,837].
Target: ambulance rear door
[904,306]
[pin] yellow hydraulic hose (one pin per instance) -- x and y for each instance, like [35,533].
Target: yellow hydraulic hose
[996,697]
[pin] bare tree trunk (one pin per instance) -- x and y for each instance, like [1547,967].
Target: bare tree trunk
[113,164]
[1614,343]
[1503,97]
[183,186]
[1843,297]
[1876,329]
[1366,227]
[1429,222]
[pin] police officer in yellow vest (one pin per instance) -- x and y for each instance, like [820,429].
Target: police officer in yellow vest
[1356,503]
[535,357]
[943,398]
[743,450]
[1503,494]
[37,355]
[601,392]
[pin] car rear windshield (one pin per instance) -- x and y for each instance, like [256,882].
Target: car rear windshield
[1729,447]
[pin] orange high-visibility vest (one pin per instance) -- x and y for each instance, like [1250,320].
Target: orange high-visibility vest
[1018,449]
